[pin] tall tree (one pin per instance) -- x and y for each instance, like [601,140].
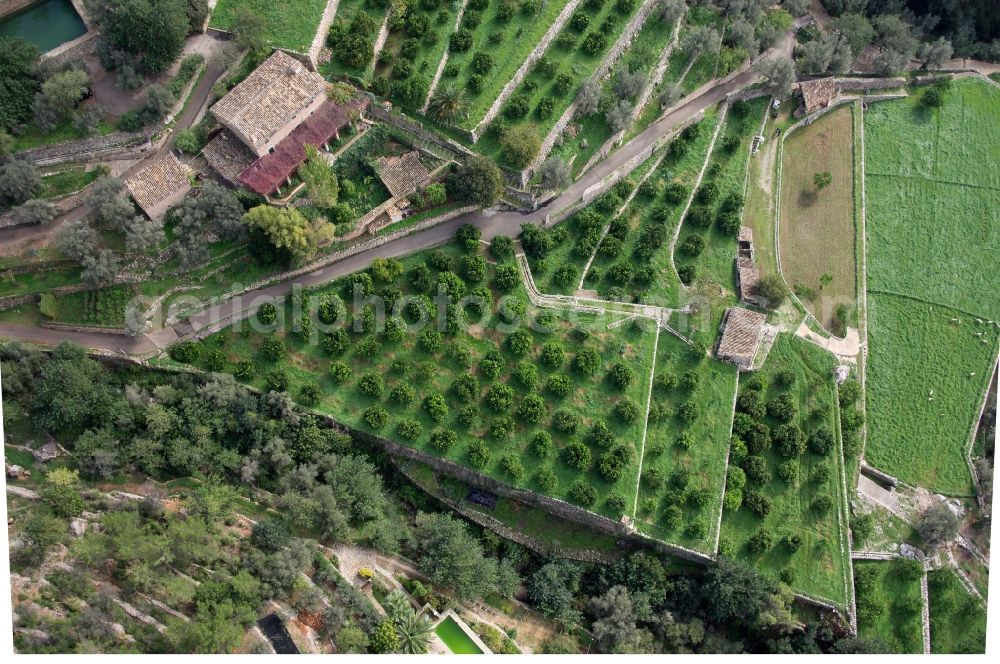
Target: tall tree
[154,30]
[321,182]
[450,556]
[288,228]
[19,80]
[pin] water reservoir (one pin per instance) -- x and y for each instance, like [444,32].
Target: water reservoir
[47,24]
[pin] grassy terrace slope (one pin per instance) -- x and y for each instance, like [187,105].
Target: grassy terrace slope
[819,565]
[494,426]
[932,181]
[289,24]
[817,226]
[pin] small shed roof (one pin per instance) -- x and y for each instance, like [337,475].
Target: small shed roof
[741,334]
[818,94]
[269,98]
[158,185]
[403,174]
[229,156]
[746,234]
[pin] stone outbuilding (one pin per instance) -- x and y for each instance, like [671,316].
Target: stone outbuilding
[742,332]
[159,185]
[747,274]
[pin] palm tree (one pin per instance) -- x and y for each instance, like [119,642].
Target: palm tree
[449,105]
[397,606]
[414,633]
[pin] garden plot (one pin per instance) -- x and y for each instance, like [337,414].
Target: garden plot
[928,367]
[684,467]
[890,604]
[104,307]
[817,238]
[706,246]
[558,412]
[290,24]
[502,33]
[785,507]
[412,52]
[958,621]
[933,198]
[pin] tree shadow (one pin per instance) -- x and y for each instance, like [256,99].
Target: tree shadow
[807,198]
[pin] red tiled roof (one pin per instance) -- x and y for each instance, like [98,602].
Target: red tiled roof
[267,173]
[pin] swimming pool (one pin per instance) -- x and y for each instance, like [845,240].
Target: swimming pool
[47,24]
[455,638]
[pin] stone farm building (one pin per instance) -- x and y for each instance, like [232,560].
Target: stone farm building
[747,274]
[269,118]
[159,185]
[742,332]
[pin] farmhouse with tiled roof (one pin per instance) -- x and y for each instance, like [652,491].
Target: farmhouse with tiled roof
[159,185]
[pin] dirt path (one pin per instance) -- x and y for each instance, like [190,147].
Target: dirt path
[847,348]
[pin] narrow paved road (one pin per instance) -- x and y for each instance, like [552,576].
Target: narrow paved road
[491,223]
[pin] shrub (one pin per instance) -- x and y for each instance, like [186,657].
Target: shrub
[436,407]
[551,354]
[756,470]
[577,455]
[583,493]
[565,422]
[479,454]
[277,380]
[822,504]
[532,409]
[789,440]
[409,428]
[558,385]
[500,397]
[526,374]
[627,410]
[545,478]
[443,439]
[621,375]
[821,442]
[792,542]
[501,427]
[587,362]
[693,245]
[760,542]
[339,371]
[541,444]
[371,385]
[512,466]
[376,417]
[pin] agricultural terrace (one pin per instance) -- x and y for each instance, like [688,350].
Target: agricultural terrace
[889,603]
[927,374]
[289,24]
[817,240]
[103,307]
[619,92]
[557,76]
[352,39]
[578,240]
[785,506]
[415,45]
[684,466]
[495,38]
[958,621]
[933,195]
[706,246]
[554,406]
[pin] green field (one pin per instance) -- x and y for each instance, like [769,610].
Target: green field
[958,621]
[819,566]
[926,380]
[490,428]
[933,190]
[291,24]
[889,604]
[703,463]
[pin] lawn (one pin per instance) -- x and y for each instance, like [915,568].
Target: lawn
[958,621]
[794,495]
[933,198]
[291,24]
[889,604]
[432,371]
[508,43]
[725,175]
[927,373]
[32,137]
[690,478]
[817,232]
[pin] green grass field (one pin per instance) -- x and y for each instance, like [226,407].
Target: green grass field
[704,462]
[817,225]
[889,606]
[926,380]
[933,190]
[291,24]
[591,399]
[958,621]
[819,566]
